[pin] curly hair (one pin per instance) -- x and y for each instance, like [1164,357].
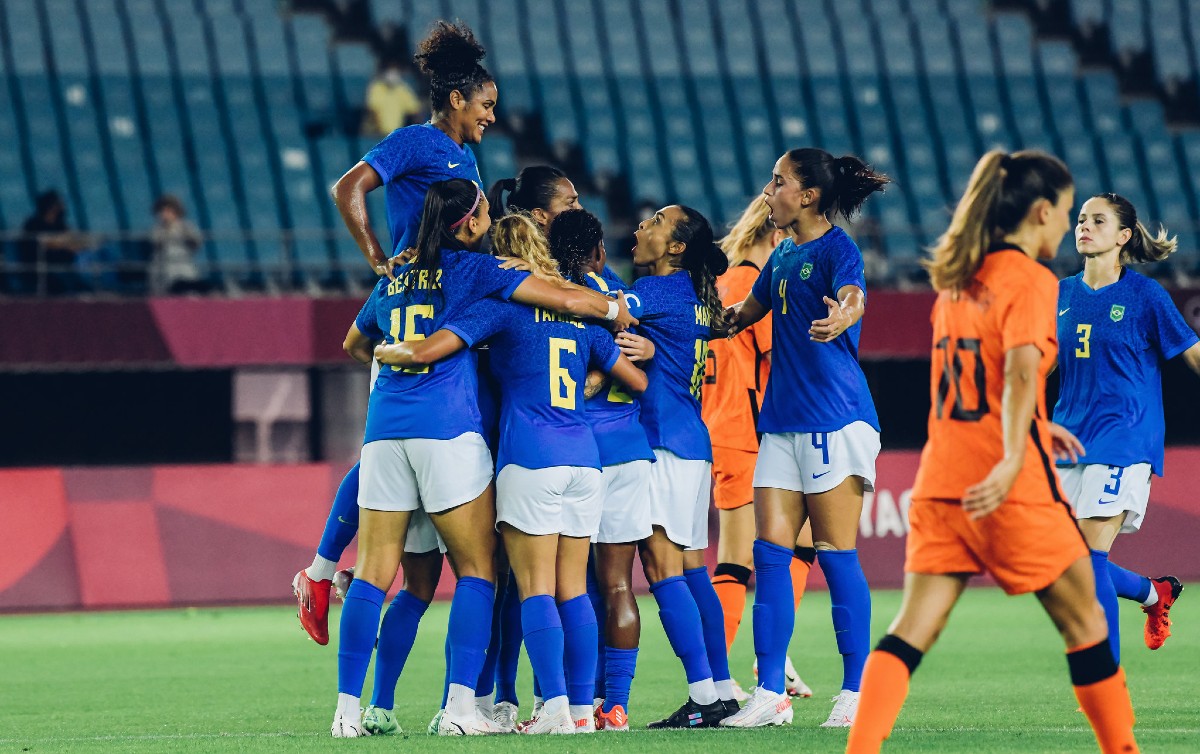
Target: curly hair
[574,235]
[517,235]
[450,57]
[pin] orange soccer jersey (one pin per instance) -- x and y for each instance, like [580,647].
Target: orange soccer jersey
[735,375]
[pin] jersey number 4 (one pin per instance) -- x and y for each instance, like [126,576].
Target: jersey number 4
[952,374]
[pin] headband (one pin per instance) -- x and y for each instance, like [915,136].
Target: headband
[471,211]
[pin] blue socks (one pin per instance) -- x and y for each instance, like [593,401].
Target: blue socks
[396,636]
[360,624]
[1129,585]
[342,524]
[681,621]
[467,632]
[712,619]
[510,643]
[544,643]
[1106,593]
[773,612]
[580,636]
[851,611]
[619,666]
[597,599]
[487,674]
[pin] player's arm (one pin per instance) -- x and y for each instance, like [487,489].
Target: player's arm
[843,314]
[575,300]
[350,198]
[357,345]
[637,348]
[745,314]
[634,380]
[1016,413]
[419,353]
[1191,357]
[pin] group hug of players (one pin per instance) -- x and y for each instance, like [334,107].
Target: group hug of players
[538,420]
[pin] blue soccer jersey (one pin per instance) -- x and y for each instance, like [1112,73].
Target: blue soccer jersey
[440,401]
[541,360]
[1112,343]
[408,161]
[814,387]
[678,324]
[614,415]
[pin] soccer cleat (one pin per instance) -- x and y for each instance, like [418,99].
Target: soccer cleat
[692,715]
[586,724]
[1158,615]
[348,726]
[845,707]
[484,706]
[473,725]
[549,724]
[341,582]
[432,728]
[792,683]
[731,707]
[739,694]
[312,600]
[505,714]
[764,708]
[614,720]
[378,721]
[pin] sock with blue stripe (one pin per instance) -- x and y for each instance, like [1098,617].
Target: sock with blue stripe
[396,636]
[851,608]
[579,656]
[773,615]
[681,621]
[544,643]
[360,625]
[1106,593]
[342,524]
[469,634]
[619,667]
[510,643]
[1129,585]
[596,597]
[712,620]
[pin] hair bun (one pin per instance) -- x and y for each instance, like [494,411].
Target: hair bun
[716,261]
[449,49]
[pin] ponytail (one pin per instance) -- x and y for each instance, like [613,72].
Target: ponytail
[750,229]
[1141,246]
[844,182]
[704,261]
[998,196]
[533,188]
[447,204]
[495,196]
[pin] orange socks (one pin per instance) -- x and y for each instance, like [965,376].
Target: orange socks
[802,561]
[884,689]
[730,581]
[1100,688]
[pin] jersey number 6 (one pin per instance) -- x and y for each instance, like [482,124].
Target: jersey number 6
[562,387]
[952,372]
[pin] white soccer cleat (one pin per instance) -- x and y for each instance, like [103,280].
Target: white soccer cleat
[348,726]
[845,707]
[764,708]
[474,725]
[792,683]
[739,694]
[549,723]
[505,714]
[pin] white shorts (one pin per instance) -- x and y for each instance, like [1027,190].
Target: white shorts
[815,462]
[563,500]
[680,490]
[417,473]
[1096,490]
[422,536]
[626,514]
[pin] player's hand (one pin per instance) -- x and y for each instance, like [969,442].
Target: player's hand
[514,263]
[396,354]
[732,315]
[401,259]
[1064,445]
[825,330]
[985,497]
[624,319]
[635,347]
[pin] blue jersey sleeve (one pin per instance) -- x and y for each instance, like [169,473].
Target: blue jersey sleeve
[602,349]
[367,322]
[765,284]
[845,266]
[609,283]
[1169,331]
[481,274]
[396,154]
[480,321]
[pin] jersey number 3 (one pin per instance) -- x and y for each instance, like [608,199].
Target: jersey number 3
[952,373]
[562,387]
[1085,341]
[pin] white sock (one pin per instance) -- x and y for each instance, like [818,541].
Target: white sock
[703,692]
[1152,598]
[460,702]
[538,702]
[348,706]
[724,689]
[597,701]
[581,711]
[559,705]
[321,569]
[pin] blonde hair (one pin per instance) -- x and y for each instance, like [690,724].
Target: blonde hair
[750,229]
[998,196]
[517,235]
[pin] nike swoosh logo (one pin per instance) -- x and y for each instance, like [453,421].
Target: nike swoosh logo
[1105,502]
[453,164]
[823,473]
[1064,311]
[344,521]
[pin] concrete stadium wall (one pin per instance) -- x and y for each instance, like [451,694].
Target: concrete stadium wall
[90,538]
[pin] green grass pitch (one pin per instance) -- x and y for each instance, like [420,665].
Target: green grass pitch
[247,679]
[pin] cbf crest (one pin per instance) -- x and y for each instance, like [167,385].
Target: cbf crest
[805,270]
[1116,313]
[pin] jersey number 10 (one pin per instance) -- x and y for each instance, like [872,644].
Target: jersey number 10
[952,373]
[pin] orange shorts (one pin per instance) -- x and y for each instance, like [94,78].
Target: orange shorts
[733,477]
[1024,546]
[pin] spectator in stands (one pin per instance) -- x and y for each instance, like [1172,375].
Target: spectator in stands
[175,241]
[391,103]
[47,239]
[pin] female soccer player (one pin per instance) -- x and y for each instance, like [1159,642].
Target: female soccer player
[424,446]
[820,431]
[735,379]
[680,311]
[1117,327]
[549,488]
[541,191]
[462,97]
[577,244]
[986,497]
